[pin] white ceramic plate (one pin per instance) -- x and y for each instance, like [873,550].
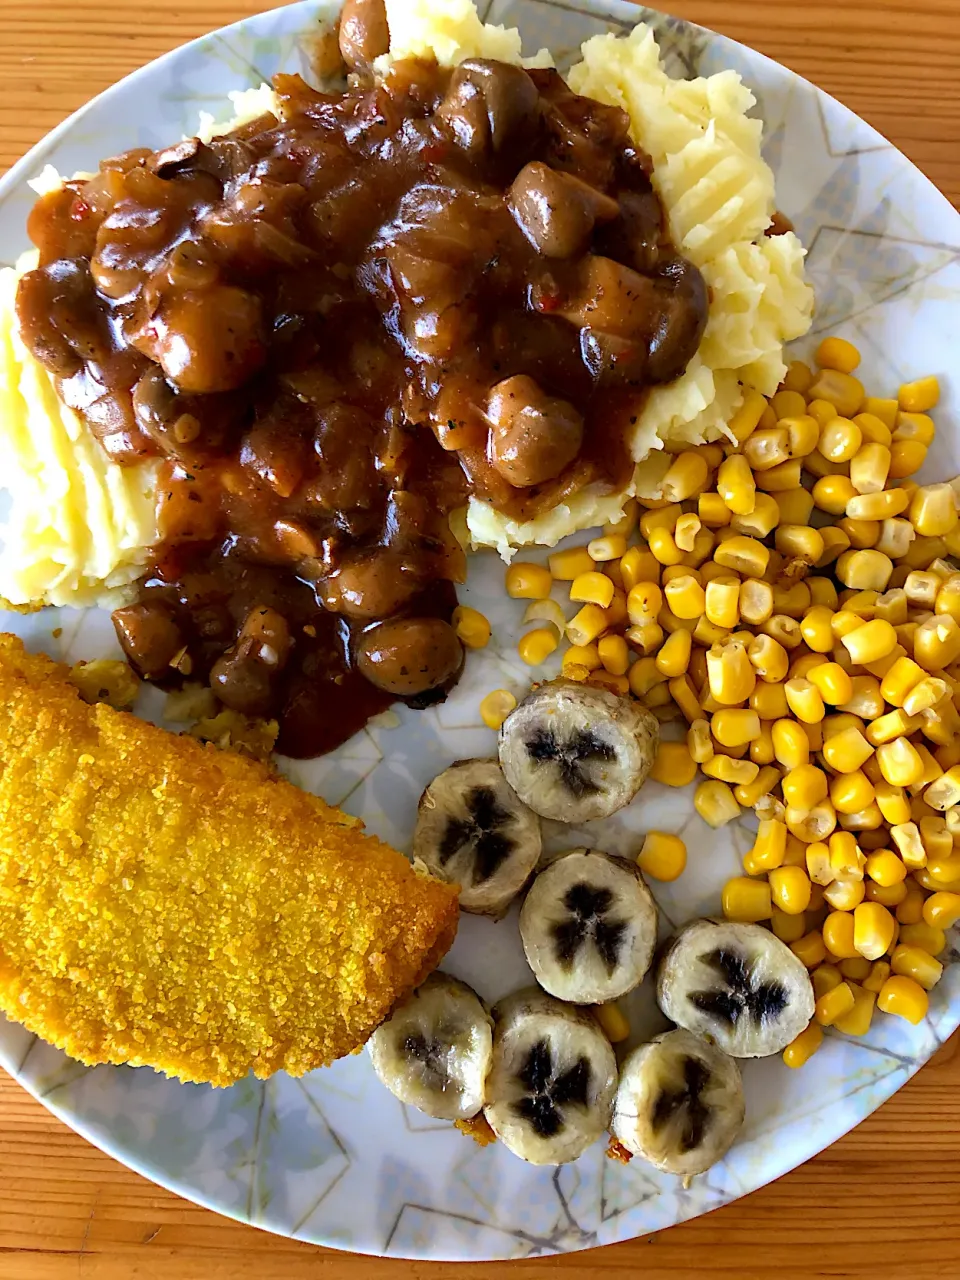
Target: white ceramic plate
[333,1158]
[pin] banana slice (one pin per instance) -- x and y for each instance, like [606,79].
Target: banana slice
[473,830]
[589,927]
[572,752]
[679,1103]
[550,1092]
[436,1049]
[736,985]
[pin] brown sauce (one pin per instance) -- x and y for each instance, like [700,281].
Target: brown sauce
[335,326]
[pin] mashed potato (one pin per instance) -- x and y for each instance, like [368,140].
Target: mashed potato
[79,527]
[718,195]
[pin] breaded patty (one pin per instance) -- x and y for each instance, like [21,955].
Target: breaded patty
[167,904]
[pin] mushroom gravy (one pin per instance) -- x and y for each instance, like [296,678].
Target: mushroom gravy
[337,325]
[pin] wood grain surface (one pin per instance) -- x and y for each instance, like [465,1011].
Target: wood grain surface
[884,1202]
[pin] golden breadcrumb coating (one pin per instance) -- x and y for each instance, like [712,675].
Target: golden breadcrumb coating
[167,904]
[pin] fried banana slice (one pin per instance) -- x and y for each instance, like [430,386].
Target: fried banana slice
[167,904]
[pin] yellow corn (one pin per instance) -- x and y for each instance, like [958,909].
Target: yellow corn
[838,935]
[818,863]
[761,519]
[735,728]
[674,658]
[874,929]
[891,605]
[899,762]
[910,912]
[884,409]
[730,675]
[799,376]
[906,458]
[870,641]
[795,506]
[799,1051]
[662,856]
[686,476]
[715,803]
[722,601]
[839,440]
[745,555]
[834,1004]
[851,792]
[933,511]
[627,522]
[700,741]
[756,601]
[790,745]
[644,602]
[752,794]
[769,659]
[832,493]
[919,396]
[857,1021]
[746,418]
[879,973]
[727,769]
[906,836]
[587,625]
[569,564]
[582,656]
[845,857]
[536,646]
[685,534]
[673,765]
[917,933]
[892,802]
[915,963]
[614,654]
[804,786]
[885,868]
[869,506]
[685,696]
[915,427]
[472,628]
[644,676]
[835,542]
[746,901]
[612,1021]
[736,485]
[810,950]
[936,642]
[865,570]
[592,588]
[904,997]
[661,542]
[790,889]
[611,547]
[873,429]
[812,825]
[942,910]
[869,468]
[770,702]
[815,629]
[862,533]
[685,596]
[788,928]
[784,630]
[837,353]
[844,392]
[804,700]
[833,683]
[496,706]
[847,751]
[526,581]
[713,511]
[639,566]
[767,447]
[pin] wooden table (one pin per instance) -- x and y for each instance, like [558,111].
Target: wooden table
[881,1204]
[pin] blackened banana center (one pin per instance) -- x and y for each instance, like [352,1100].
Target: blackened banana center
[549,1091]
[745,996]
[482,829]
[430,1054]
[589,908]
[570,757]
[686,1099]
